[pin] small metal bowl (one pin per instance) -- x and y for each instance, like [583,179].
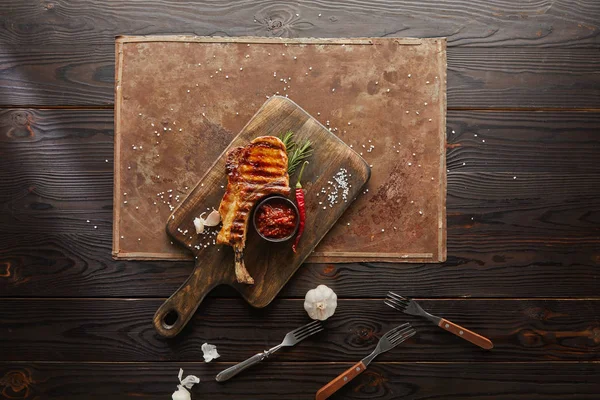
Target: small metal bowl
[274,199]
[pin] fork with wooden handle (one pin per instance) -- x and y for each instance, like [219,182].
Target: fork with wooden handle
[387,342]
[409,306]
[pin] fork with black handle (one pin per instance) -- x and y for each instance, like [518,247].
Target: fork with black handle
[291,339]
[409,306]
[387,342]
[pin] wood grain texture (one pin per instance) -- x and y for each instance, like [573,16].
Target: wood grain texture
[481,23]
[533,236]
[477,77]
[54,265]
[557,142]
[274,380]
[120,330]
[500,231]
[61,139]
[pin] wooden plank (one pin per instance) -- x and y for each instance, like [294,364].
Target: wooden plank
[74,329]
[520,142]
[485,23]
[515,142]
[533,236]
[477,77]
[276,380]
[79,264]
[489,209]
[538,224]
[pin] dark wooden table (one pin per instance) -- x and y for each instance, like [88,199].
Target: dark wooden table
[523,214]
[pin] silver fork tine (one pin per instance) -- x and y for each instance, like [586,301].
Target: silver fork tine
[398,297]
[396,329]
[309,330]
[309,333]
[402,303]
[307,326]
[401,337]
[400,333]
[397,306]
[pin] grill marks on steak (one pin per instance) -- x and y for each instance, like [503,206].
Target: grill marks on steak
[253,172]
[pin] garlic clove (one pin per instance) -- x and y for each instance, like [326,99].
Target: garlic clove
[213,219]
[181,394]
[199,224]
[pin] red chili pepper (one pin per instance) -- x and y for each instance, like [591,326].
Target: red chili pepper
[301,207]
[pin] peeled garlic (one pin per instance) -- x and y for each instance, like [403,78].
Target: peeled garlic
[320,303]
[210,352]
[182,392]
[199,224]
[213,219]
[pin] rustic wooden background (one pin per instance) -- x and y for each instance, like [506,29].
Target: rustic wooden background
[523,254]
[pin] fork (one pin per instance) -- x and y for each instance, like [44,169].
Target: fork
[409,306]
[291,339]
[387,342]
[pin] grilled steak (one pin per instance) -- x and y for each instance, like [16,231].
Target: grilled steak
[253,172]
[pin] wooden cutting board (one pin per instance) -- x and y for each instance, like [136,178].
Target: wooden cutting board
[270,264]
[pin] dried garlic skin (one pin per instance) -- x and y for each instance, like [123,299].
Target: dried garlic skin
[186,383]
[210,352]
[320,303]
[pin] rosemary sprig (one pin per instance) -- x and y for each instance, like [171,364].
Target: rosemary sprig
[297,153]
[287,139]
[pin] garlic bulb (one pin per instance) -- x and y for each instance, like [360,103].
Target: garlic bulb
[320,303]
[182,392]
[213,219]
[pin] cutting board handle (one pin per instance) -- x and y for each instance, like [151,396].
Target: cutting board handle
[173,315]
